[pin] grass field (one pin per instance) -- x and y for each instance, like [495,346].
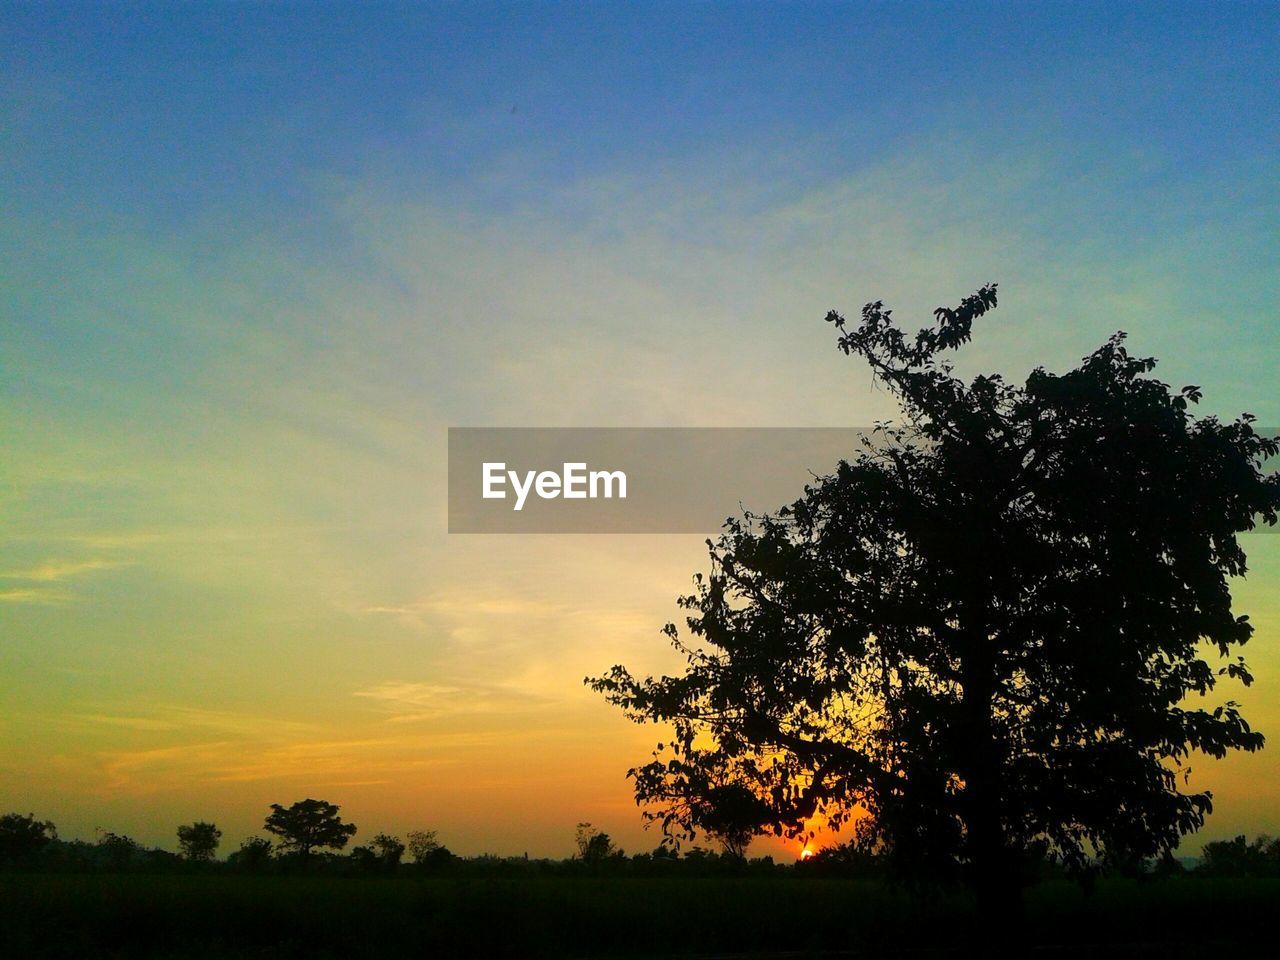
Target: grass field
[128,915]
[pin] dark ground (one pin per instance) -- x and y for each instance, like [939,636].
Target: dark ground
[239,916]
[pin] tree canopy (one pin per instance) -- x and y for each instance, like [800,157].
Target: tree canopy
[199,841]
[309,824]
[986,634]
[22,836]
[595,846]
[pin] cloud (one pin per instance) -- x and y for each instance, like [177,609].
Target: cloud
[53,571]
[318,762]
[468,606]
[36,596]
[176,746]
[158,718]
[408,702]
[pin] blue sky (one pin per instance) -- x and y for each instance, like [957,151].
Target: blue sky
[1082,127]
[159,110]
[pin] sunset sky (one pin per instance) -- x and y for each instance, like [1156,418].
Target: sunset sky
[258,259]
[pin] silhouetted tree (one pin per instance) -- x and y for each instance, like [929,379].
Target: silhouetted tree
[308,824]
[388,850]
[1240,858]
[153,857]
[199,841]
[422,844]
[981,630]
[118,849]
[426,849]
[860,856]
[594,846]
[22,837]
[728,820]
[254,852]
[364,858]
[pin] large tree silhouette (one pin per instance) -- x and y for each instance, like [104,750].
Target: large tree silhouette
[307,825]
[990,631]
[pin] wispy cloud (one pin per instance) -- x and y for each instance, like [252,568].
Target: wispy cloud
[317,762]
[173,717]
[407,702]
[54,571]
[468,607]
[36,596]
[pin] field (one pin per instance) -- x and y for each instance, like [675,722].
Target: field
[227,916]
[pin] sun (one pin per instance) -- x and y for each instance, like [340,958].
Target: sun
[806,853]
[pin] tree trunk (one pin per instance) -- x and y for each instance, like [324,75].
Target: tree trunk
[995,874]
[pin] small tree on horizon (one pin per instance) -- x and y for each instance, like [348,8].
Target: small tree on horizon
[989,630]
[595,846]
[308,825]
[388,849]
[119,849]
[422,844]
[426,849]
[199,841]
[254,852]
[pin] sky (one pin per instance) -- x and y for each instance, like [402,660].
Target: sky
[259,257]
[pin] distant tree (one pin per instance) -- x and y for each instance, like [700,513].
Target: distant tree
[153,857]
[841,860]
[118,849]
[22,836]
[862,855]
[388,849]
[423,845]
[254,852]
[1167,866]
[1240,858]
[199,840]
[698,855]
[582,836]
[594,846]
[308,825]
[983,630]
